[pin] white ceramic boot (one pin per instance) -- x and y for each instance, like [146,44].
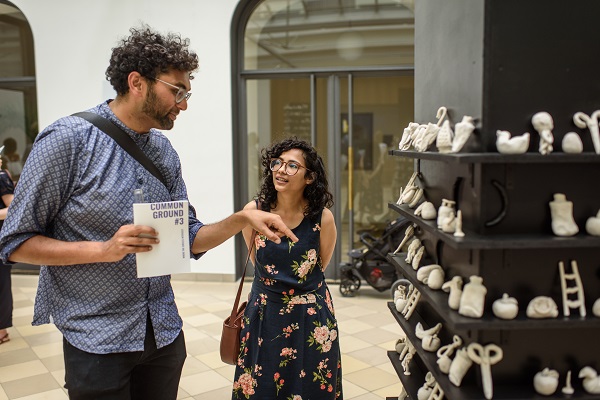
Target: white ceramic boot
[561,210]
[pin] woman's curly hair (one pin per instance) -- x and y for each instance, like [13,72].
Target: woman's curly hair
[150,54]
[317,193]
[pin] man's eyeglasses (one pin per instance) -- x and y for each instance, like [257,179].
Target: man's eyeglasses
[181,94]
[291,167]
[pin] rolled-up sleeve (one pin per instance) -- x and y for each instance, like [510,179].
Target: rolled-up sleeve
[46,181]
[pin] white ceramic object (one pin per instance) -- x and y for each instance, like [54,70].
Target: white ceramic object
[462,132]
[426,211]
[444,138]
[445,352]
[596,308]
[572,143]
[458,232]
[449,224]
[407,192]
[408,233]
[459,367]
[592,225]
[485,356]
[424,273]
[543,124]
[403,394]
[472,300]
[506,307]
[400,345]
[421,332]
[400,304]
[412,250]
[572,289]
[591,380]
[431,343]
[417,258]
[454,287]
[446,210]
[435,280]
[406,140]
[512,145]
[591,122]
[561,211]
[545,382]
[568,388]
[427,136]
[425,391]
[542,307]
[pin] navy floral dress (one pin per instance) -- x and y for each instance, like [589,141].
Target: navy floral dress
[289,341]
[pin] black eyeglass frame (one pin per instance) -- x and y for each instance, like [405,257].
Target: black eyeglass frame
[286,163]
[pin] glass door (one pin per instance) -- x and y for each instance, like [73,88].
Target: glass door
[373,113]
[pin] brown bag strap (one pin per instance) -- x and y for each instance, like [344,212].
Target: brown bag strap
[234,310]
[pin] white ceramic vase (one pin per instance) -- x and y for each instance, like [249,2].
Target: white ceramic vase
[447,209]
[561,211]
[472,300]
[459,367]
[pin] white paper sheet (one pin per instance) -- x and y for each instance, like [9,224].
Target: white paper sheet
[172,254]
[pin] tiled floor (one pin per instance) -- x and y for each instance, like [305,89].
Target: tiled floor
[31,364]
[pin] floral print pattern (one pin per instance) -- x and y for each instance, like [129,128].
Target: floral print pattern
[289,342]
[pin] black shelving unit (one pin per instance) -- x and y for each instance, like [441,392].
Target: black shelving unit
[488,60]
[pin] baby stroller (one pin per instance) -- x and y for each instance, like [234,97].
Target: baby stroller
[370,262]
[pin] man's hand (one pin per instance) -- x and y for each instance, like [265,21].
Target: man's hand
[129,239]
[269,224]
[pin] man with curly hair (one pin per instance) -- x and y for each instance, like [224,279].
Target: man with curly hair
[72,214]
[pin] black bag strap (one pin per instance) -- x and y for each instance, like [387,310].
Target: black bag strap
[123,140]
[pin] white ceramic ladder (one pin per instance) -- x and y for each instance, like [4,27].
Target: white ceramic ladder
[568,291]
[413,299]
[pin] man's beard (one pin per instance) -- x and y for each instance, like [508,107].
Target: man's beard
[151,109]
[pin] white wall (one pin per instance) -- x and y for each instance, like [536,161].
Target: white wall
[73,41]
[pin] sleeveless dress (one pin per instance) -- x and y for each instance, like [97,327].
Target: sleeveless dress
[289,340]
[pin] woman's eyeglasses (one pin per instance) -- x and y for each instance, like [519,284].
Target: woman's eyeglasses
[291,167]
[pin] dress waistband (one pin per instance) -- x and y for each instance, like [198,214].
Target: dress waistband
[291,297]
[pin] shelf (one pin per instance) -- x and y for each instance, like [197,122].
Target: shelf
[454,321]
[473,240]
[466,392]
[497,158]
[413,382]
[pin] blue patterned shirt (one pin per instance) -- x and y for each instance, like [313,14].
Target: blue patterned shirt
[77,185]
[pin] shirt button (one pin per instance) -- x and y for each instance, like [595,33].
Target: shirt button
[140,180]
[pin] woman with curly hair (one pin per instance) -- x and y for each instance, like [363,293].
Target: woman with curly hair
[289,340]
[73,215]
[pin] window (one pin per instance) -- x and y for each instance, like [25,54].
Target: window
[18,104]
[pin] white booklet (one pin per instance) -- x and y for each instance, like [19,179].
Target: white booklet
[172,254]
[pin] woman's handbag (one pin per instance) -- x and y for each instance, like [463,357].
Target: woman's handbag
[230,336]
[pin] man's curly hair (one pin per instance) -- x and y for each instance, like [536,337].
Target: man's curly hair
[150,54]
[317,193]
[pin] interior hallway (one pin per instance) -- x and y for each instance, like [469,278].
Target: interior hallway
[32,368]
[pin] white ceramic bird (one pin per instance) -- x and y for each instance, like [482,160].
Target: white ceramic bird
[512,145]
[591,380]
